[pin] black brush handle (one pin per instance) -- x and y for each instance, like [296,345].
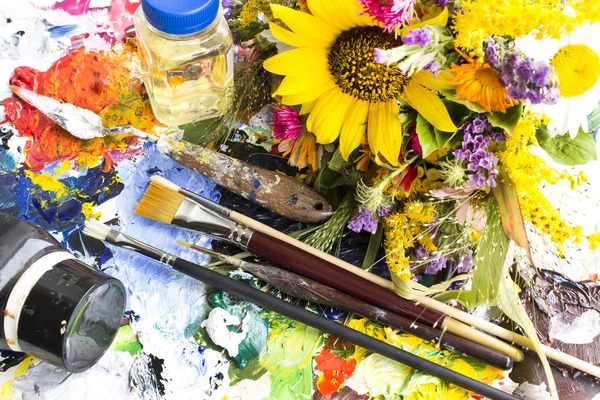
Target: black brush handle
[323,324]
[313,267]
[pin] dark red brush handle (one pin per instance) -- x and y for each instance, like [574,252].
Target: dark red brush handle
[310,266]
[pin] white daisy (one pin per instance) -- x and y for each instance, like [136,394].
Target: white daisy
[576,62]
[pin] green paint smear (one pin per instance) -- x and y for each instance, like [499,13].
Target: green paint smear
[383,377]
[256,338]
[126,340]
[288,357]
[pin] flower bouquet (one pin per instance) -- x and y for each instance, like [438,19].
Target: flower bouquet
[435,126]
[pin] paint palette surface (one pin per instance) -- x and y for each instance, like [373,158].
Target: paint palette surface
[179,339]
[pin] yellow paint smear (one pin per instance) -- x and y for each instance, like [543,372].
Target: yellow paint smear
[64,168]
[87,209]
[48,183]
[7,392]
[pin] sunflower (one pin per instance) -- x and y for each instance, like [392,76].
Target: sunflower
[332,73]
[576,62]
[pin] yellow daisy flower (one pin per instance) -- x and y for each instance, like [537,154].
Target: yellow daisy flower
[332,73]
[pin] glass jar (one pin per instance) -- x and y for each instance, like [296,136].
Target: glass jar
[186,52]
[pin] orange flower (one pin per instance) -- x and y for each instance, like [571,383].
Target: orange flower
[480,83]
[302,151]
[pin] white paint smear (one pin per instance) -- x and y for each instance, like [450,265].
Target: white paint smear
[216,326]
[581,331]
[529,391]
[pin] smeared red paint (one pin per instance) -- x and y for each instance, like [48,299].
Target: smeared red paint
[335,371]
[121,16]
[90,80]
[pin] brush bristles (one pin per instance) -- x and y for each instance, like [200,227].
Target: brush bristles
[184,243]
[96,229]
[159,203]
[165,182]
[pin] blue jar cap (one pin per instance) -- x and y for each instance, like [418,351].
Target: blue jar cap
[180,17]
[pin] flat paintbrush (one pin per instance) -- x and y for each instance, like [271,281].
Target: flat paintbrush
[102,232]
[165,205]
[312,291]
[456,314]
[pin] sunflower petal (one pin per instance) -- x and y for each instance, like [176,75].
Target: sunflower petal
[329,11]
[322,106]
[306,25]
[307,107]
[384,131]
[298,62]
[307,96]
[354,128]
[429,106]
[288,37]
[327,129]
[294,84]
[441,82]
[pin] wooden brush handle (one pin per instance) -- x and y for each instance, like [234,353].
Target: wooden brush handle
[310,266]
[275,191]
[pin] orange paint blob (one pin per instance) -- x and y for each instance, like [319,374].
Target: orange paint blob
[335,371]
[99,82]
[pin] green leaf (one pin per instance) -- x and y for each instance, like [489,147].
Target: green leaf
[567,151]
[508,120]
[490,258]
[337,161]
[453,97]
[426,136]
[373,248]
[510,210]
[325,180]
[201,132]
[432,139]
[509,302]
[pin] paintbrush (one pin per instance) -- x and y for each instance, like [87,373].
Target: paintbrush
[100,231]
[165,205]
[312,291]
[273,190]
[450,311]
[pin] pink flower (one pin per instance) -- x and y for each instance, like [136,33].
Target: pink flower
[392,13]
[466,213]
[286,123]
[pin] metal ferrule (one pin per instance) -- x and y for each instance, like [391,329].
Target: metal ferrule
[206,203]
[192,215]
[130,243]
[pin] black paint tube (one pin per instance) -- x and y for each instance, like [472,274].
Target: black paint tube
[55,307]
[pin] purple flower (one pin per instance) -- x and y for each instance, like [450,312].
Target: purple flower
[436,266]
[492,52]
[478,179]
[419,37]
[442,3]
[384,211]
[474,154]
[364,220]
[541,74]
[525,71]
[434,67]
[465,263]
[421,253]
[226,3]
[527,80]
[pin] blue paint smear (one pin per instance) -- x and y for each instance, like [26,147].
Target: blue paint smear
[255,183]
[252,196]
[59,31]
[334,314]
[146,278]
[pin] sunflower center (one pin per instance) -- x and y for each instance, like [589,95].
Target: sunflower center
[352,64]
[578,69]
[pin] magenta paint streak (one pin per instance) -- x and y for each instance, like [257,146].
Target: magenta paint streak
[73,7]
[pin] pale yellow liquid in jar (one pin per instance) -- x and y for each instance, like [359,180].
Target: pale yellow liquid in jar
[188,78]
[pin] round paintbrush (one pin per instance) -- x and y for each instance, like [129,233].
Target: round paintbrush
[312,291]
